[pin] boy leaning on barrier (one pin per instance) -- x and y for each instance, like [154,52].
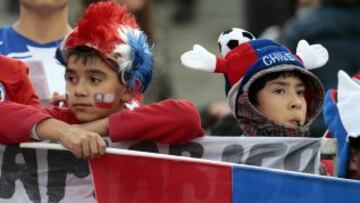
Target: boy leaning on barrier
[108,65]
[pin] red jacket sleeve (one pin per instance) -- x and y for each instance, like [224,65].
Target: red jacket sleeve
[14,76]
[170,122]
[62,114]
[17,120]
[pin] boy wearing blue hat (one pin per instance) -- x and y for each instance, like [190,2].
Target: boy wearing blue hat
[270,91]
[108,66]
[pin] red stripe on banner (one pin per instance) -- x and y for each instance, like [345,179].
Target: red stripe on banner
[121,178]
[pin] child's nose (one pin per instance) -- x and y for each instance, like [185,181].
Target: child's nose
[295,102]
[80,91]
[296,106]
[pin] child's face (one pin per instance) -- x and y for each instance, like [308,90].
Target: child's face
[282,100]
[93,89]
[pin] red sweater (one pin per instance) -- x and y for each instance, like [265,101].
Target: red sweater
[170,122]
[14,77]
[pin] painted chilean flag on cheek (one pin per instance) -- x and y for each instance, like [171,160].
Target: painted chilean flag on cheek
[104,101]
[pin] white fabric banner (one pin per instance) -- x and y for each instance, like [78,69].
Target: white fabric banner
[29,175]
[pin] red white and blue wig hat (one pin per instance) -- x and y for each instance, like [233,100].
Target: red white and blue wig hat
[255,58]
[341,111]
[111,30]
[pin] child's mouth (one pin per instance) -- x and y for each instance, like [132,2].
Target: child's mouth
[295,123]
[81,106]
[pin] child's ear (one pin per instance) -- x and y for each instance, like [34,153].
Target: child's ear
[129,94]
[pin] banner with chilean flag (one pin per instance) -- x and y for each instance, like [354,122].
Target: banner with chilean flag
[48,172]
[129,176]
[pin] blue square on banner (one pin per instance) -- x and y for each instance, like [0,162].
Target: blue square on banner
[254,184]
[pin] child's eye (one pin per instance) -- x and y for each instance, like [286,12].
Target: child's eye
[70,78]
[301,92]
[95,80]
[279,91]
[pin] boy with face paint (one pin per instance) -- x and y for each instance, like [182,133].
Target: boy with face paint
[269,90]
[108,65]
[15,86]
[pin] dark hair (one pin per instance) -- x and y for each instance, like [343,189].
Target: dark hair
[260,83]
[354,142]
[86,54]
